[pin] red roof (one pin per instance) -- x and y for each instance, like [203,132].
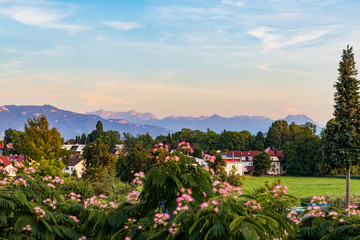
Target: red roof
[243,153]
[5,161]
[18,158]
[74,161]
[270,152]
[279,153]
[249,168]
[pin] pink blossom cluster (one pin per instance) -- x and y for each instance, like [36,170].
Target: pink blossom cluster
[29,170]
[3,170]
[293,216]
[186,146]
[127,238]
[317,199]
[82,238]
[40,212]
[51,203]
[132,197]
[226,189]
[279,191]
[48,178]
[209,158]
[58,180]
[353,209]
[18,165]
[6,181]
[212,204]
[113,205]
[210,170]
[74,218]
[315,211]
[183,200]
[74,196]
[20,181]
[94,201]
[160,147]
[27,228]
[174,158]
[173,229]
[336,216]
[252,205]
[51,185]
[161,219]
[130,221]
[139,178]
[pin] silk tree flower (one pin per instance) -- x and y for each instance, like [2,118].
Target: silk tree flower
[279,191]
[161,219]
[20,181]
[132,197]
[74,218]
[40,212]
[27,228]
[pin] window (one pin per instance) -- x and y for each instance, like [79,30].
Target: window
[243,158]
[250,158]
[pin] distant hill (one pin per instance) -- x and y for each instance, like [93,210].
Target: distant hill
[70,124]
[214,122]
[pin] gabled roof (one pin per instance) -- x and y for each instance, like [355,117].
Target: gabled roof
[242,153]
[73,161]
[270,152]
[17,158]
[249,168]
[279,153]
[5,161]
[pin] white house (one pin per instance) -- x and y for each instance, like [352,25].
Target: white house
[77,164]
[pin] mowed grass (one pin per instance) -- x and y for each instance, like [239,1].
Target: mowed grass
[305,186]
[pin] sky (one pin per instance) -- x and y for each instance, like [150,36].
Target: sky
[191,58]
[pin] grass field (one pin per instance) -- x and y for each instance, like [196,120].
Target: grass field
[305,186]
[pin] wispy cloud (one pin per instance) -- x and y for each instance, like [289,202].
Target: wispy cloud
[123,25]
[272,39]
[42,14]
[267,68]
[233,3]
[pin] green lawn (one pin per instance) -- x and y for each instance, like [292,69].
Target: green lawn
[305,186]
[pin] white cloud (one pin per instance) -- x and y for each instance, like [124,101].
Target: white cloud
[232,3]
[271,39]
[123,25]
[267,68]
[40,13]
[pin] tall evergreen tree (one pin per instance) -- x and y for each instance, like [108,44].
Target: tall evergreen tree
[343,148]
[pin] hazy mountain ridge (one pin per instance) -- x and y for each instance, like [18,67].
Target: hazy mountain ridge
[70,124]
[214,122]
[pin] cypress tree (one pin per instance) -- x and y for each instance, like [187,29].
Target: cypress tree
[343,148]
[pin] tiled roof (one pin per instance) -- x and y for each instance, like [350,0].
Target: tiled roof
[5,161]
[249,168]
[74,161]
[242,153]
[270,152]
[18,158]
[279,153]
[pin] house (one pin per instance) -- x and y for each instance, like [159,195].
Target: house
[77,148]
[238,158]
[75,163]
[245,158]
[8,166]
[275,168]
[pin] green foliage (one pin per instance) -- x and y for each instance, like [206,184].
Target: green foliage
[136,160]
[50,167]
[278,134]
[98,160]
[302,152]
[262,163]
[38,141]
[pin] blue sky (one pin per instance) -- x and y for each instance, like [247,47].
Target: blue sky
[229,57]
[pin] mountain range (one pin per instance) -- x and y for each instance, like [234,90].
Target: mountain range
[71,124]
[214,122]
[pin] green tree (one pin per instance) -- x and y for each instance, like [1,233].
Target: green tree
[94,135]
[259,142]
[5,149]
[97,160]
[111,138]
[278,134]
[301,154]
[7,135]
[136,160]
[38,141]
[262,163]
[342,145]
